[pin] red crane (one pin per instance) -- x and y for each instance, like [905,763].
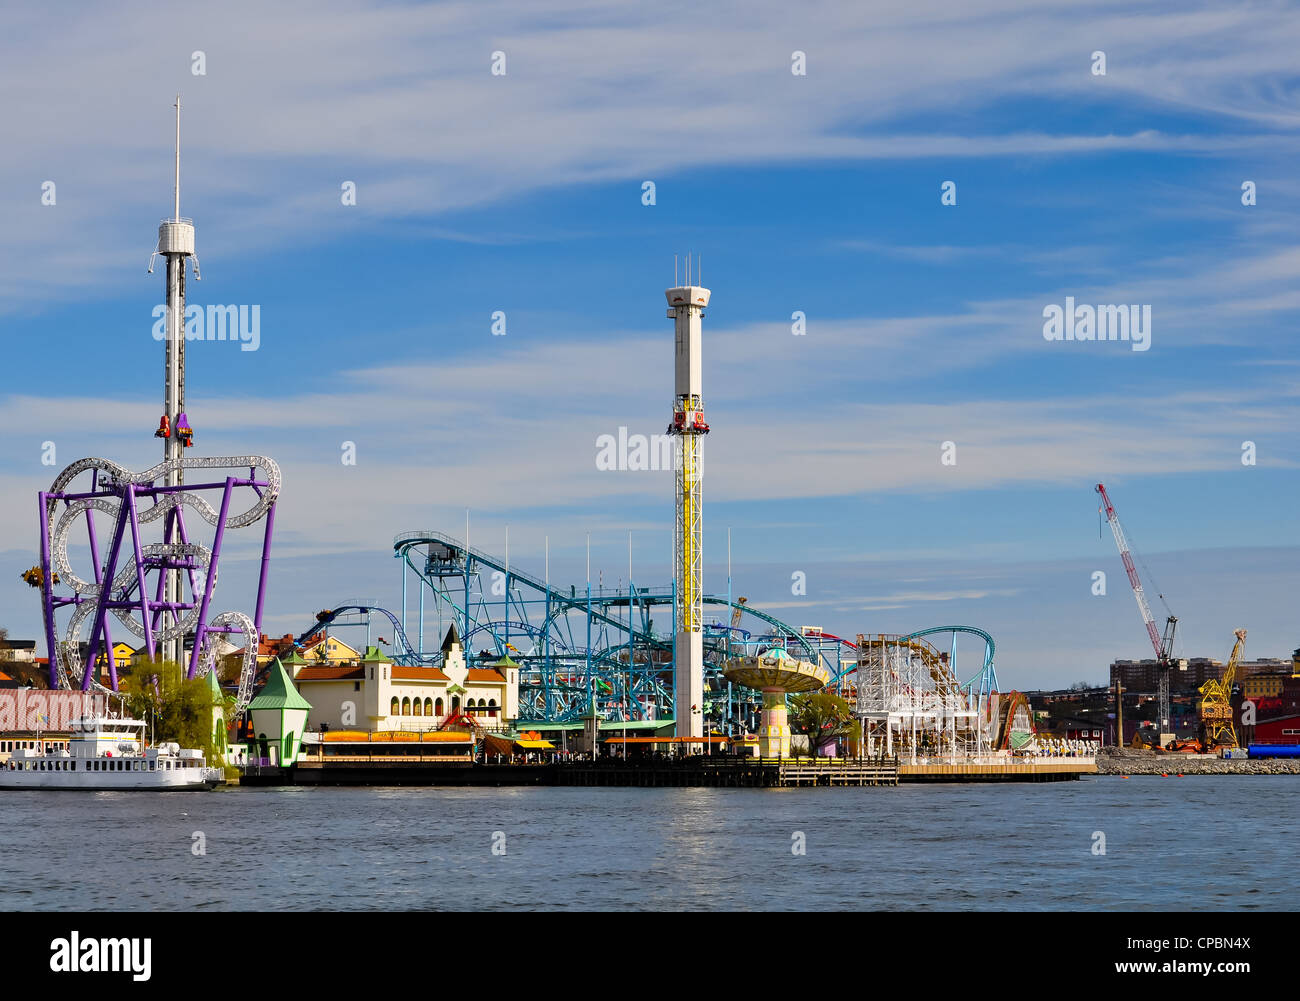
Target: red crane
[1163,646]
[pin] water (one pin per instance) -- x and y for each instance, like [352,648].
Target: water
[1206,843]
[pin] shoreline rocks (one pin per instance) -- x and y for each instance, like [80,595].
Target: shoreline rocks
[1114,761]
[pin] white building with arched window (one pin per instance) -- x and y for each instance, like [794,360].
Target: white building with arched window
[376,694]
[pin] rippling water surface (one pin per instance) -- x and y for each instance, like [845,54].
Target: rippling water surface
[1203,843]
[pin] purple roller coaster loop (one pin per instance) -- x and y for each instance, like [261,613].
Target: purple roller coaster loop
[155,611]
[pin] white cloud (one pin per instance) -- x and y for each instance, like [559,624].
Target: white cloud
[422,459]
[299,97]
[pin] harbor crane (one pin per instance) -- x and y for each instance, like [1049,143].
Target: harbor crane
[1216,701]
[1163,645]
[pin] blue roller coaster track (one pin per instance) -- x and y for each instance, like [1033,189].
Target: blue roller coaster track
[580,649]
[595,648]
[403,652]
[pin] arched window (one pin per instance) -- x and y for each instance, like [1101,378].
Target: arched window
[406,707]
[437,708]
[428,707]
[415,708]
[455,704]
[492,707]
[392,709]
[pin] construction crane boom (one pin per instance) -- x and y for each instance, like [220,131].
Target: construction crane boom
[1238,648]
[1163,646]
[1216,700]
[1126,555]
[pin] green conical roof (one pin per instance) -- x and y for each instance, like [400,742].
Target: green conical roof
[374,656]
[214,686]
[505,662]
[278,692]
[294,659]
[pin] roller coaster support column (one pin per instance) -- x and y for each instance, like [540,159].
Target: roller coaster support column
[47,593]
[140,583]
[105,593]
[261,580]
[99,576]
[212,580]
[505,601]
[547,696]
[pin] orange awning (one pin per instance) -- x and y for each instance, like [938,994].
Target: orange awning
[712,738]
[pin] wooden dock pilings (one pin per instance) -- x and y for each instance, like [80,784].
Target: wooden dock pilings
[840,772]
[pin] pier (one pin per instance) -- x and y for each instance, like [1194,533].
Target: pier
[715,771]
[733,772]
[709,771]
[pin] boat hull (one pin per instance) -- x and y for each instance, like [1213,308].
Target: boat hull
[177,781]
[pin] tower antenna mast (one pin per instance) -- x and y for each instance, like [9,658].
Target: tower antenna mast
[176,187]
[176,244]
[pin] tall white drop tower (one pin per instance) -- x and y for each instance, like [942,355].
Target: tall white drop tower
[686,309]
[175,243]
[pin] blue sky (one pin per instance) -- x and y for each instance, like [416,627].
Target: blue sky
[817,193]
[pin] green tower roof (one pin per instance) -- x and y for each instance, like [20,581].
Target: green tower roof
[374,656]
[295,658]
[278,692]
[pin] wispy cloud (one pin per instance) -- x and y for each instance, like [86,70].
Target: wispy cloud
[399,98]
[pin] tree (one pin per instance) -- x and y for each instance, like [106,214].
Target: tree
[181,708]
[823,716]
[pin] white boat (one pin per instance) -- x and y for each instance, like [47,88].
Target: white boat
[109,753]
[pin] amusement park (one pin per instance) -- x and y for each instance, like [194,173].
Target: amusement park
[676,662]
[442,547]
[477,645]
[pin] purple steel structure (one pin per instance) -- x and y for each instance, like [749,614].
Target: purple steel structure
[164,620]
[120,583]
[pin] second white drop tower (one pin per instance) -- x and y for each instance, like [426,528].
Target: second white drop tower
[686,309]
